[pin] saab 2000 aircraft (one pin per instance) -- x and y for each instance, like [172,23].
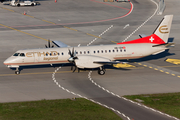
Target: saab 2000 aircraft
[96,56]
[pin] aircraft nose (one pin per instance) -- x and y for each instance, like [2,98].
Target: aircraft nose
[8,61]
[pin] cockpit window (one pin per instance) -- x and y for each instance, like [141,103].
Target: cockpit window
[22,54]
[16,54]
[19,54]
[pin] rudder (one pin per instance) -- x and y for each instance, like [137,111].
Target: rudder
[164,27]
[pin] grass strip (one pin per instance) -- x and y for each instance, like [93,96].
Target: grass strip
[63,109]
[168,103]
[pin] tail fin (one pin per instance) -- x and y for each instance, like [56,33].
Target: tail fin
[164,27]
[160,35]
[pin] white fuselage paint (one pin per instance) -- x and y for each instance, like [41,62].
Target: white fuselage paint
[96,53]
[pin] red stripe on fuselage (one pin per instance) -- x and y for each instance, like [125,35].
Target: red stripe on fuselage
[36,63]
[154,39]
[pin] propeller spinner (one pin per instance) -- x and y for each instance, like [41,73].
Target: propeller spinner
[72,56]
[72,59]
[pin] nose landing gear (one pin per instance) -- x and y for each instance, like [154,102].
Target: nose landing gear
[17,72]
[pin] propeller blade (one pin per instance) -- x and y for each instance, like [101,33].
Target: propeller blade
[78,70]
[71,67]
[49,43]
[75,69]
[70,53]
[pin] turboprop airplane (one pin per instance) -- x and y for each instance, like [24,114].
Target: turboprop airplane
[89,57]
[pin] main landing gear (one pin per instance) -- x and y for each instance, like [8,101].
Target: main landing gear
[101,71]
[17,72]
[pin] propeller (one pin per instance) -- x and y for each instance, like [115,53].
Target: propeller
[72,58]
[49,45]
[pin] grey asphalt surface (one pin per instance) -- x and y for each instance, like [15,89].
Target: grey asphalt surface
[37,83]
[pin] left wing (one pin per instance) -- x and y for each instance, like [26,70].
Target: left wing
[90,61]
[60,44]
[108,63]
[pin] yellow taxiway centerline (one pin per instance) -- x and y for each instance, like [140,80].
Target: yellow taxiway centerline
[8,9]
[93,35]
[70,28]
[34,73]
[51,22]
[48,21]
[23,32]
[30,16]
[38,73]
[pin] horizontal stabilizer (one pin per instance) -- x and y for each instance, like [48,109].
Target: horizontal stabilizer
[166,45]
[142,35]
[60,44]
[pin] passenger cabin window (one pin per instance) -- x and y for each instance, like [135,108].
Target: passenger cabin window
[62,53]
[94,51]
[109,50]
[16,54]
[88,52]
[113,50]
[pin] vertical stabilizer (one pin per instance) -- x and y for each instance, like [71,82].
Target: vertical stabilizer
[164,27]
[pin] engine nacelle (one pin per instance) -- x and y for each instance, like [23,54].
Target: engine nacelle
[85,61]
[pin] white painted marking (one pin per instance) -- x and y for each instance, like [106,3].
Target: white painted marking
[54,79]
[89,76]
[100,35]
[143,22]
[126,26]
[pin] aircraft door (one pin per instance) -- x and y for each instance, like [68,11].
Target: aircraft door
[36,57]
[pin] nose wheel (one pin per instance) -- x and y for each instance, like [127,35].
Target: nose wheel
[17,72]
